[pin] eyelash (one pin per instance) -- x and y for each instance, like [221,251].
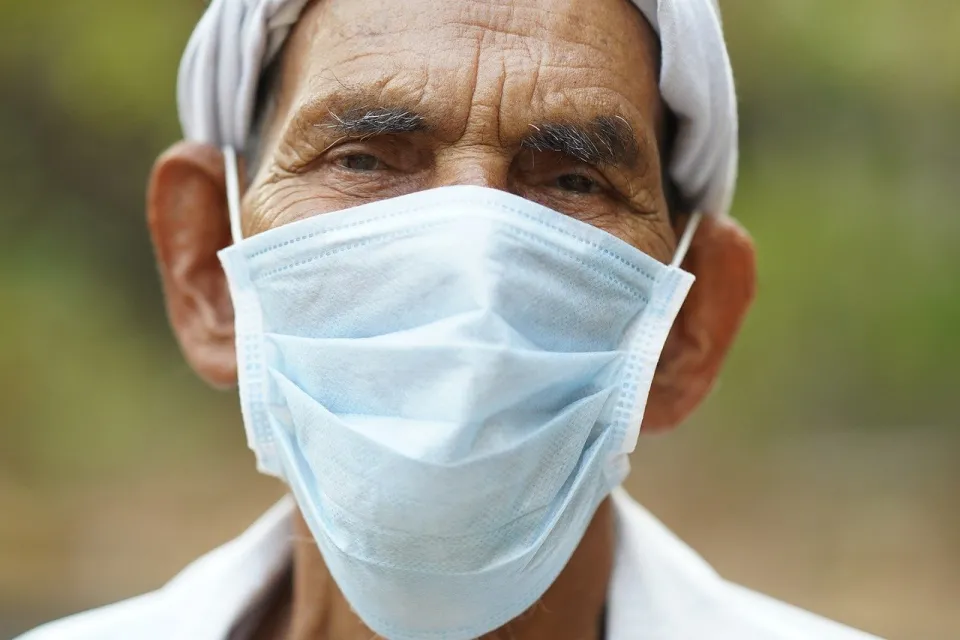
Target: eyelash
[575,183]
[596,185]
[343,159]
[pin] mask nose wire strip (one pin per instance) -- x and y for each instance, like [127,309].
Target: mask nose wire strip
[233,192]
[686,239]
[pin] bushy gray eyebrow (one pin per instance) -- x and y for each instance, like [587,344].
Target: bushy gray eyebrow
[368,122]
[605,140]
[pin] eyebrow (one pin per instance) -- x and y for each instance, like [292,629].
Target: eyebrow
[605,140]
[359,122]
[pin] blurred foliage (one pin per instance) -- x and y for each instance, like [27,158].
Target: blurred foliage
[849,184]
[851,125]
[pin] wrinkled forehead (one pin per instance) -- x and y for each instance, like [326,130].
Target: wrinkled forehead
[529,60]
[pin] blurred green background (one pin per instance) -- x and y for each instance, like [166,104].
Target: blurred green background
[823,469]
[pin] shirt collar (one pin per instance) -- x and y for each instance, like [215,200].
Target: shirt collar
[655,575]
[240,573]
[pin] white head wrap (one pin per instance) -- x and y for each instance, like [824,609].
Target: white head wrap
[236,39]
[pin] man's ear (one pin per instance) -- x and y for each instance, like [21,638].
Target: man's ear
[722,258]
[189,223]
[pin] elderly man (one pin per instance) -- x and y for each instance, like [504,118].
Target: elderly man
[450,292]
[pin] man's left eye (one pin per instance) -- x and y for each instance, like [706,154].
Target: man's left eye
[577,183]
[360,162]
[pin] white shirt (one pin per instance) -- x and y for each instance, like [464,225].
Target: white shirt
[660,590]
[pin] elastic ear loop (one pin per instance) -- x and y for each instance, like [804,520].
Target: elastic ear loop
[233,192]
[686,239]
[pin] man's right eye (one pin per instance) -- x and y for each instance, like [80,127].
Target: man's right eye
[360,162]
[577,183]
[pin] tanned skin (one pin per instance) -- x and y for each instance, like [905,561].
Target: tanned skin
[380,98]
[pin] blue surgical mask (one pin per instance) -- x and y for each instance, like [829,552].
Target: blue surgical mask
[450,383]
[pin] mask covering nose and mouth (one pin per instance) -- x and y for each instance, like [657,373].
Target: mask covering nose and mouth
[450,383]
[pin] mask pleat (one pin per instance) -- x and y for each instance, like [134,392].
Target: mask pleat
[449,383]
[406,492]
[420,546]
[463,383]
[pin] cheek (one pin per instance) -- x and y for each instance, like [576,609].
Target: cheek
[654,237]
[275,203]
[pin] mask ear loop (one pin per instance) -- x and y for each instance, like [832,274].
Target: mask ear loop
[684,245]
[233,192]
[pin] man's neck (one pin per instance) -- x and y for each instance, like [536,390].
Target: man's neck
[571,609]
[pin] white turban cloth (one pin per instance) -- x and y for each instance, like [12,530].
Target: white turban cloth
[236,39]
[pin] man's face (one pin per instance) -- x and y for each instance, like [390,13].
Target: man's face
[553,100]
[556,101]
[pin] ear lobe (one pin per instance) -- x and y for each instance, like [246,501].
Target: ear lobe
[188,221]
[722,258]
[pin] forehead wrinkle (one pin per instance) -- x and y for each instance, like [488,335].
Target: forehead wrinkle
[384,83]
[565,23]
